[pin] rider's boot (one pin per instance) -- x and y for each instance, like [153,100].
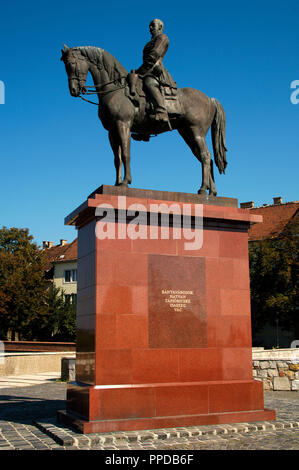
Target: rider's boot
[161,114]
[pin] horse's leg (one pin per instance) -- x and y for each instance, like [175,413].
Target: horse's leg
[116,148]
[197,143]
[212,185]
[123,131]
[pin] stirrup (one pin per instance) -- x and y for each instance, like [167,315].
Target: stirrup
[161,118]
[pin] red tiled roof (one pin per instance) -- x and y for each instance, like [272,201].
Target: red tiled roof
[275,219]
[60,253]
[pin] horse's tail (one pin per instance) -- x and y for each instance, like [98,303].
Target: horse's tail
[218,136]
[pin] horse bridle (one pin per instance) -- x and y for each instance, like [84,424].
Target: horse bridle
[87,89]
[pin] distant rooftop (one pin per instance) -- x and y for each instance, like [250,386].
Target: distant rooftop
[276,217]
[58,253]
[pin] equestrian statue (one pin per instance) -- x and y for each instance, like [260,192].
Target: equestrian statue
[147,102]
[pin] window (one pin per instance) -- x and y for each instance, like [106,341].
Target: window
[70,275]
[71,298]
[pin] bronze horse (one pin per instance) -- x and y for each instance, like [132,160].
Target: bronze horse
[121,115]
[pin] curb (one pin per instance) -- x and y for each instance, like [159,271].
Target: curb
[67,437]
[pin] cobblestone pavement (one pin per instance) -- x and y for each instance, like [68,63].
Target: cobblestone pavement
[27,421]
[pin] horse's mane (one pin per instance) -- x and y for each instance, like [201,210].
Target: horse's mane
[102,58]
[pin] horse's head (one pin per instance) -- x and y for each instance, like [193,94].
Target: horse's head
[76,67]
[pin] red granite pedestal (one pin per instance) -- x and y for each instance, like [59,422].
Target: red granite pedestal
[163,331]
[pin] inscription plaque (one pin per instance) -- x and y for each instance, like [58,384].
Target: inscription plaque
[177,302]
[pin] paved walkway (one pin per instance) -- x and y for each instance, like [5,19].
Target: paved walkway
[27,421]
[12,381]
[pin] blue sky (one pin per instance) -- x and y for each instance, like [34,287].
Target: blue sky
[54,150]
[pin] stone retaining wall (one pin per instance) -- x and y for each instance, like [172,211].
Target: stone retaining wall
[37,346]
[31,363]
[278,369]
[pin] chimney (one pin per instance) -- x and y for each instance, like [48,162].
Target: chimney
[47,244]
[247,205]
[62,242]
[277,200]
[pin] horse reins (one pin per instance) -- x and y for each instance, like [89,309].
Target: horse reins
[102,92]
[88,101]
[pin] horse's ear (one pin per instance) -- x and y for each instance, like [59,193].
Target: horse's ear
[64,50]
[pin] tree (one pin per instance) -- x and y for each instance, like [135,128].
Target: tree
[22,283]
[61,317]
[3,305]
[274,280]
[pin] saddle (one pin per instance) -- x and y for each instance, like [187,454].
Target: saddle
[135,92]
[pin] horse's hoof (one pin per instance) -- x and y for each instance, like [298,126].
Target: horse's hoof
[202,191]
[213,193]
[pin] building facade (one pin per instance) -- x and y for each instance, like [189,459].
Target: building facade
[61,267]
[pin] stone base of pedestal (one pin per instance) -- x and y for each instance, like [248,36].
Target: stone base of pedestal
[154,406]
[88,427]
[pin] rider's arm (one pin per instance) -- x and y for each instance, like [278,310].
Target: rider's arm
[151,56]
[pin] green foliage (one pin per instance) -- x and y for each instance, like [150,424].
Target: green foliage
[61,321]
[58,323]
[29,305]
[22,284]
[274,280]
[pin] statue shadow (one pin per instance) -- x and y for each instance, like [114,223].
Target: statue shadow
[27,404]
